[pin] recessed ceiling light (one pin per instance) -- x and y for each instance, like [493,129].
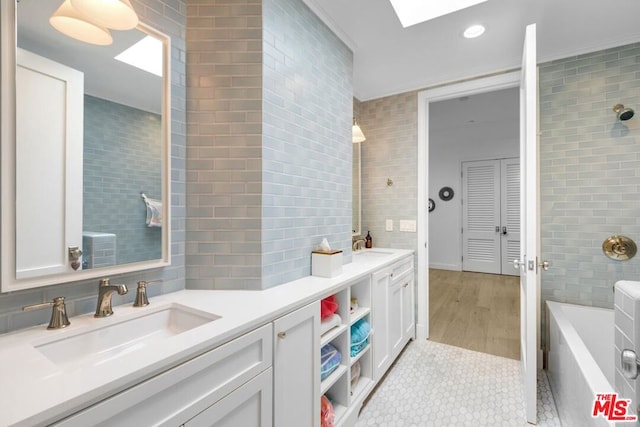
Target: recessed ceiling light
[146,55]
[411,12]
[474,31]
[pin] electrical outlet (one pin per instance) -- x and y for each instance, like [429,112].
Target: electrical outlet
[389,225]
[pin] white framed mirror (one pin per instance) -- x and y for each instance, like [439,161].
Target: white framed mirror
[357,189]
[85,145]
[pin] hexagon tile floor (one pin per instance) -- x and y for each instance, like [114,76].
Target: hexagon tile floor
[434,384]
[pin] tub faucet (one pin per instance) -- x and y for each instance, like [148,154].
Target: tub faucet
[357,244]
[104,297]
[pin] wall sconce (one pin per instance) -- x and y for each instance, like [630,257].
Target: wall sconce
[356,133]
[89,20]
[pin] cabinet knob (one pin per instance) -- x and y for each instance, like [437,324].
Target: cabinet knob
[405,285]
[282,335]
[391,274]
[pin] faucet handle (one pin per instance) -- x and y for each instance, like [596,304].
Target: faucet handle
[141,294]
[59,317]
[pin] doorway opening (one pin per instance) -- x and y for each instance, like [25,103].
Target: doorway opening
[474,231]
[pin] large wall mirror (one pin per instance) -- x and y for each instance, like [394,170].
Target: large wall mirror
[85,151]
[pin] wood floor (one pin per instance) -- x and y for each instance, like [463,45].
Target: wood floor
[475,311]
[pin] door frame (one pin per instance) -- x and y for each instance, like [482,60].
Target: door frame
[472,87]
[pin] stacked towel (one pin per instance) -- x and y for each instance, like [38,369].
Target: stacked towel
[330,323]
[359,336]
[330,359]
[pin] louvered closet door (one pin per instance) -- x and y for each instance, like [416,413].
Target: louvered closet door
[510,194]
[481,216]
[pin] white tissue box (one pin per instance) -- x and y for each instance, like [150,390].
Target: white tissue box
[326,263]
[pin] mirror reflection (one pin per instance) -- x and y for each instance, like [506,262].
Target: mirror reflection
[89,148]
[357,211]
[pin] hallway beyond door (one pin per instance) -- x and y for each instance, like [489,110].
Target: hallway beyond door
[475,311]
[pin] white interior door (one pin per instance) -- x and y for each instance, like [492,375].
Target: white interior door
[510,214]
[529,221]
[481,216]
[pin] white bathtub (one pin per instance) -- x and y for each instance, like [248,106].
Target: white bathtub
[581,360]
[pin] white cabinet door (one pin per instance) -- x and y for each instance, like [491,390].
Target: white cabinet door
[48,207]
[296,368]
[380,323]
[395,318]
[408,309]
[248,406]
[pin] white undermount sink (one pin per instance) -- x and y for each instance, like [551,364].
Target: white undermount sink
[372,253]
[106,342]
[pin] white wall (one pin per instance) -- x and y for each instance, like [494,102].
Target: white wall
[494,135]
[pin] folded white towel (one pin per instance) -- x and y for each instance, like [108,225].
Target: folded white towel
[154,211]
[330,323]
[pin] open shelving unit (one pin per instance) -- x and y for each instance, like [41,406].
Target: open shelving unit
[344,397]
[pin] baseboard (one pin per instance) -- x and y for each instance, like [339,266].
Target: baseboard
[438,266]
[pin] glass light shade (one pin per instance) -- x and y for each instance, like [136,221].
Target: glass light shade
[114,14]
[356,133]
[71,23]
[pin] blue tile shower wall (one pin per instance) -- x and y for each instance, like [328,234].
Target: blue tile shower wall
[306,146]
[589,172]
[169,17]
[122,158]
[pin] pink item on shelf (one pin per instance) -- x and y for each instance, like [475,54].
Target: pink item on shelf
[327,416]
[328,306]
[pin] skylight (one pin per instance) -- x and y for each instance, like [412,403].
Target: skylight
[146,55]
[411,12]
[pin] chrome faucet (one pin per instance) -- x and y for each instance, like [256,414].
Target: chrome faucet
[356,243]
[104,297]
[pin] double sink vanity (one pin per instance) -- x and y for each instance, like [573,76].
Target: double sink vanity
[192,357]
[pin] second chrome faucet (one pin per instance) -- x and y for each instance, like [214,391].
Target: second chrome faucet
[105,290]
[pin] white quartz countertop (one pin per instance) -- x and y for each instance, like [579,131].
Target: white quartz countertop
[35,391]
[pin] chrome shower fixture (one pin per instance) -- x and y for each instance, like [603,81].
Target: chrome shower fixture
[624,113]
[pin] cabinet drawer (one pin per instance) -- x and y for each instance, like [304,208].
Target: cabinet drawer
[401,267]
[177,395]
[249,406]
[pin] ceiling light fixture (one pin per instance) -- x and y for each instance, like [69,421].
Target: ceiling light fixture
[70,22]
[411,12]
[474,31]
[356,133]
[114,14]
[145,54]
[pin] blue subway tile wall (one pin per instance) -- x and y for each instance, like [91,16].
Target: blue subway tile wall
[589,172]
[306,146]
[122,158]
[224,154]
[269,156]
[167,16]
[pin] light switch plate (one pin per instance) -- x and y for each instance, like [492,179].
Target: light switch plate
[408,225]
[389,225]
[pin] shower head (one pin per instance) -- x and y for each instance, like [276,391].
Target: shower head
[624,113]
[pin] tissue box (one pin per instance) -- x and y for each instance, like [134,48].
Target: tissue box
[326,263]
